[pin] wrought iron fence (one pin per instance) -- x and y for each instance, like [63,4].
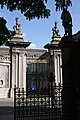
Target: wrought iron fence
[40,104]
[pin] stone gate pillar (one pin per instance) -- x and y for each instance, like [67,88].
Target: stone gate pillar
[18,59]
[68,93]
[55,55]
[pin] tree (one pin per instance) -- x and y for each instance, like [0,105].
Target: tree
[5,34]
[30,9]
[61,4]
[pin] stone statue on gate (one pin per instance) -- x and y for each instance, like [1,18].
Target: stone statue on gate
[67,22]
[17,27]
[55,30]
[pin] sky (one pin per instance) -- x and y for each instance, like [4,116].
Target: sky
[39,32]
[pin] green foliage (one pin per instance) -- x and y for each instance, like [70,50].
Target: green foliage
[61,4]
[3,31]
[5,34]
[29,8]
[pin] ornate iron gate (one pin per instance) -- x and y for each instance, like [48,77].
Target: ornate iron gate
[40,104]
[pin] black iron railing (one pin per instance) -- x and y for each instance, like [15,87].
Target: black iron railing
[40,104]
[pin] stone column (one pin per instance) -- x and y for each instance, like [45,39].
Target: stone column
[68,92]
[24,71]
[20,71]
[15,67]
[59,70]
[56,68]
[13,70]
[17,70]
[57,65]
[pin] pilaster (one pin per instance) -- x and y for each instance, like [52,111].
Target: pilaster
[68,93]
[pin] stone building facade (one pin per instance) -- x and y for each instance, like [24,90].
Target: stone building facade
[27,68]
[36,70]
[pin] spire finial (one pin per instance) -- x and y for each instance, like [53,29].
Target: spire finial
[17,27]
[55,30]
